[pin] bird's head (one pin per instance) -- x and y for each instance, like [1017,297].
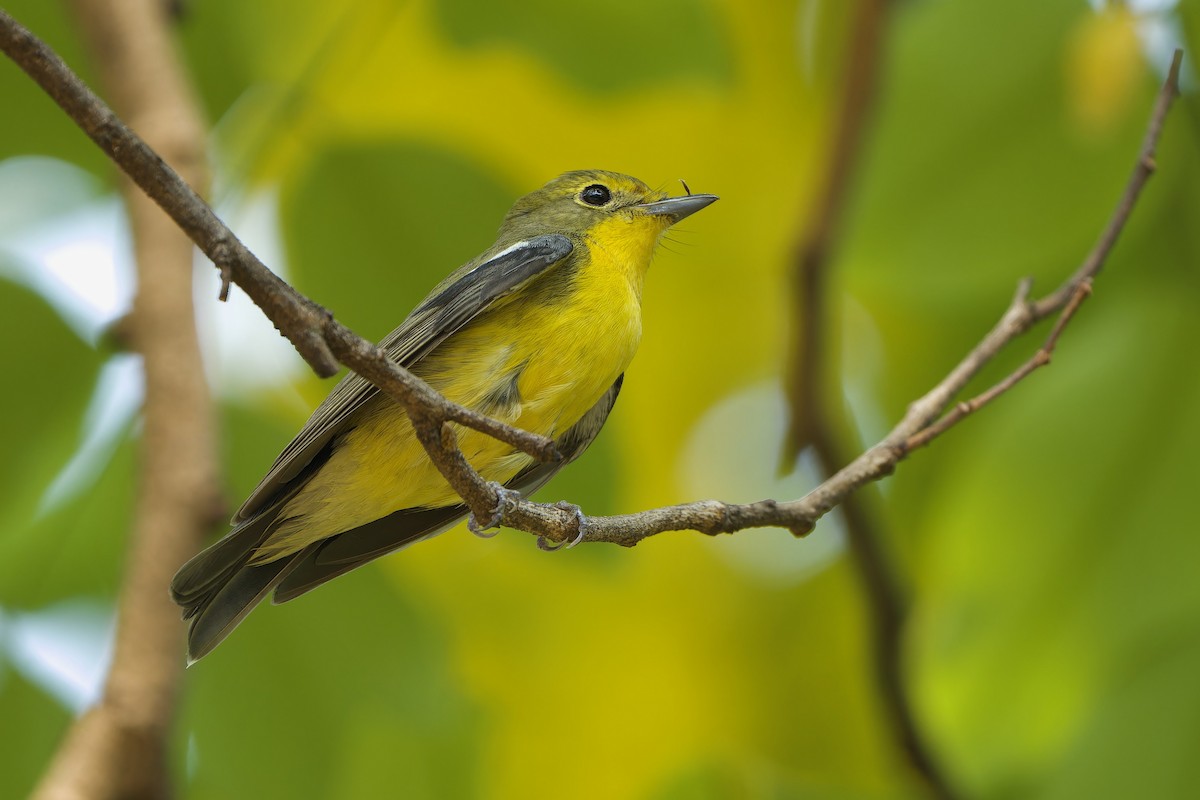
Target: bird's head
[607,206]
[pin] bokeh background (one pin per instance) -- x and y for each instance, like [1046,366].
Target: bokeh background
[366,148]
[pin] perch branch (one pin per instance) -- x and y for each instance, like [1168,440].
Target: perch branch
[304,322]
[322,341]
[925,414]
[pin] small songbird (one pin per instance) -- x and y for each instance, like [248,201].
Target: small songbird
[536,332]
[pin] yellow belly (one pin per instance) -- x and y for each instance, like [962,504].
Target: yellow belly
[537,367]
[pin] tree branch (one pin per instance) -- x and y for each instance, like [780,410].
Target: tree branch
[818,422]
[921,424]
[304,323]
[809,311]
[322,341]
[118,747]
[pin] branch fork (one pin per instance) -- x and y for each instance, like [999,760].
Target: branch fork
[326,344]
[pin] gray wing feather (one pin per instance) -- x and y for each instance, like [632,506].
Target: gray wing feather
[452,304]
[571,444]
[352,549]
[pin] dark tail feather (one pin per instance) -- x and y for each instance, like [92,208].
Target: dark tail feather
[215,615]
[350,550]
[217,588]
[211,568]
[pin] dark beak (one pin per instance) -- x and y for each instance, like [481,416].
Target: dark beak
[676,208]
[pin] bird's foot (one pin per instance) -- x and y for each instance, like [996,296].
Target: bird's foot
[491,526]
[580,529]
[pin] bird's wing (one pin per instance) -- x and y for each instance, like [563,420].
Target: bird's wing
[570,445]
[350,550]
[451,305]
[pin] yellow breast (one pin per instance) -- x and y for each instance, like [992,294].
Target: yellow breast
[536,365]
[547,363]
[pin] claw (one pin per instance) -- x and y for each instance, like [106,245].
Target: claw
[491,526]
[580,529]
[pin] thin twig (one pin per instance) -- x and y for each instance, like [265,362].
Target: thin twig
[322,341]
[1041,358]
[290,312]
[1068,297]
[226,281]
[713,517]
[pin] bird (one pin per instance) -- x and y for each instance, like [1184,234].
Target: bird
[536,332]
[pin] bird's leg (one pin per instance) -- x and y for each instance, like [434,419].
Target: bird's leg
[491,526]
[580,529]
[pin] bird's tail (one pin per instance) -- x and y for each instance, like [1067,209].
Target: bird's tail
[218,587]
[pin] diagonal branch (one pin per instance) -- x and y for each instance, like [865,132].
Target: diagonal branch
[921,424]
[304,323]
[322,341]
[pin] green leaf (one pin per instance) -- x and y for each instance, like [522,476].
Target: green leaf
[53,375]
[1142,739]
[78,546]
[344,692]
[371,229]
[34,723]
[611,46]
[44,129]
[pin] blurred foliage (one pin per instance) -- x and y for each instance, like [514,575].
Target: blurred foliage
[1049,543]
[34,723]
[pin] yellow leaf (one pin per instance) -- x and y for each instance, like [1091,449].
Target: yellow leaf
[1104,67]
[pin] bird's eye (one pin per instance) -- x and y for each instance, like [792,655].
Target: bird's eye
[595,195]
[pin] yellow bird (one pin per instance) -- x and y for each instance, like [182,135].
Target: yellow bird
[536,332]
